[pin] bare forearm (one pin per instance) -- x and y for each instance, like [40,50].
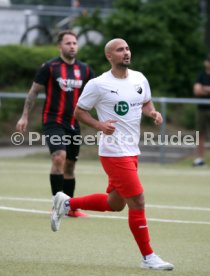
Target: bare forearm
[29,103]
[201,90]
[86,118]
[206,89]
[31,98]
[148,108]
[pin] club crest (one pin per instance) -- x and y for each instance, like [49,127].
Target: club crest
[77,73]
[138,89]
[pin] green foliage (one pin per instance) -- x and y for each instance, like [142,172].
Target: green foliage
[165,40]
[90,21]
[18,64]
[94,56]
[165,37]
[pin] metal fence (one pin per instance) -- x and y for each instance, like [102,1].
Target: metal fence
[44,10]
[163,109]
[163,101]
[16,20]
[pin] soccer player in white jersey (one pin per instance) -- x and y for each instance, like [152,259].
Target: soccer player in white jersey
[119,96]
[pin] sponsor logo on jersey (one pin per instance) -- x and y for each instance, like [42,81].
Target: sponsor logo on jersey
[69,84]
[135,104]
[114,92]
[121,108]
[138,89]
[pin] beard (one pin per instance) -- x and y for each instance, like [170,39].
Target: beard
[123,65]
[69,56]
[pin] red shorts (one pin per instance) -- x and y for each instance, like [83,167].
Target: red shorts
[123,175]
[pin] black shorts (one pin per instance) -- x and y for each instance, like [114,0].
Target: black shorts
[203,118]
[59,137]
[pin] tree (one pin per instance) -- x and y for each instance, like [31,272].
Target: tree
[165,38]
[206,14]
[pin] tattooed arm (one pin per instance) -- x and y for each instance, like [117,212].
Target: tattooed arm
[29,102]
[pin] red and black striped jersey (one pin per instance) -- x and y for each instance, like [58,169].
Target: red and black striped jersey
[63,85]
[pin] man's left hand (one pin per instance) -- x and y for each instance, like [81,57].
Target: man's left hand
[158,119]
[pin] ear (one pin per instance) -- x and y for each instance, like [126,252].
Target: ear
[108,56]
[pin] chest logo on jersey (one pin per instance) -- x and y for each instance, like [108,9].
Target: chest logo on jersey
[121,108]
[138,89]
[69,84]
[77,73]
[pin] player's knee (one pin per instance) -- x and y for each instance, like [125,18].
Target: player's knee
[119,207]
[58,158]
[136,202]
[140,202]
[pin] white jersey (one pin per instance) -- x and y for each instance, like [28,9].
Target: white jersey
[121,100]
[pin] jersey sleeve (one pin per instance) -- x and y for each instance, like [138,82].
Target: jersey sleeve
[147,94]
[89,96]
[42,75]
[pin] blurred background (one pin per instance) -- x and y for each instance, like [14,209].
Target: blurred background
[168,39]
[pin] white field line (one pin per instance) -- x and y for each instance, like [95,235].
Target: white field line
[156,220]
[33,211]
[31,172]
[154,206]
[101,173]
[154,172]
[41,168]
[163,174]
[29,199]
[25,164]
[186,208]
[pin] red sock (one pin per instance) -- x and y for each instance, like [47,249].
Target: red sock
[94,202]
[138,226]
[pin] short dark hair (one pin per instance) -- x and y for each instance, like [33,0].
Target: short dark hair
[65,32]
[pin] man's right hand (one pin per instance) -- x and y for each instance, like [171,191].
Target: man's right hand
[107,127]
[201,90]
[22,124]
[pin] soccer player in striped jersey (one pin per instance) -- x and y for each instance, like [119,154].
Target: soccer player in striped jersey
[120,96]
[63,79]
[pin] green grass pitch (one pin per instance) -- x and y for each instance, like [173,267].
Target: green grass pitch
[178,211]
